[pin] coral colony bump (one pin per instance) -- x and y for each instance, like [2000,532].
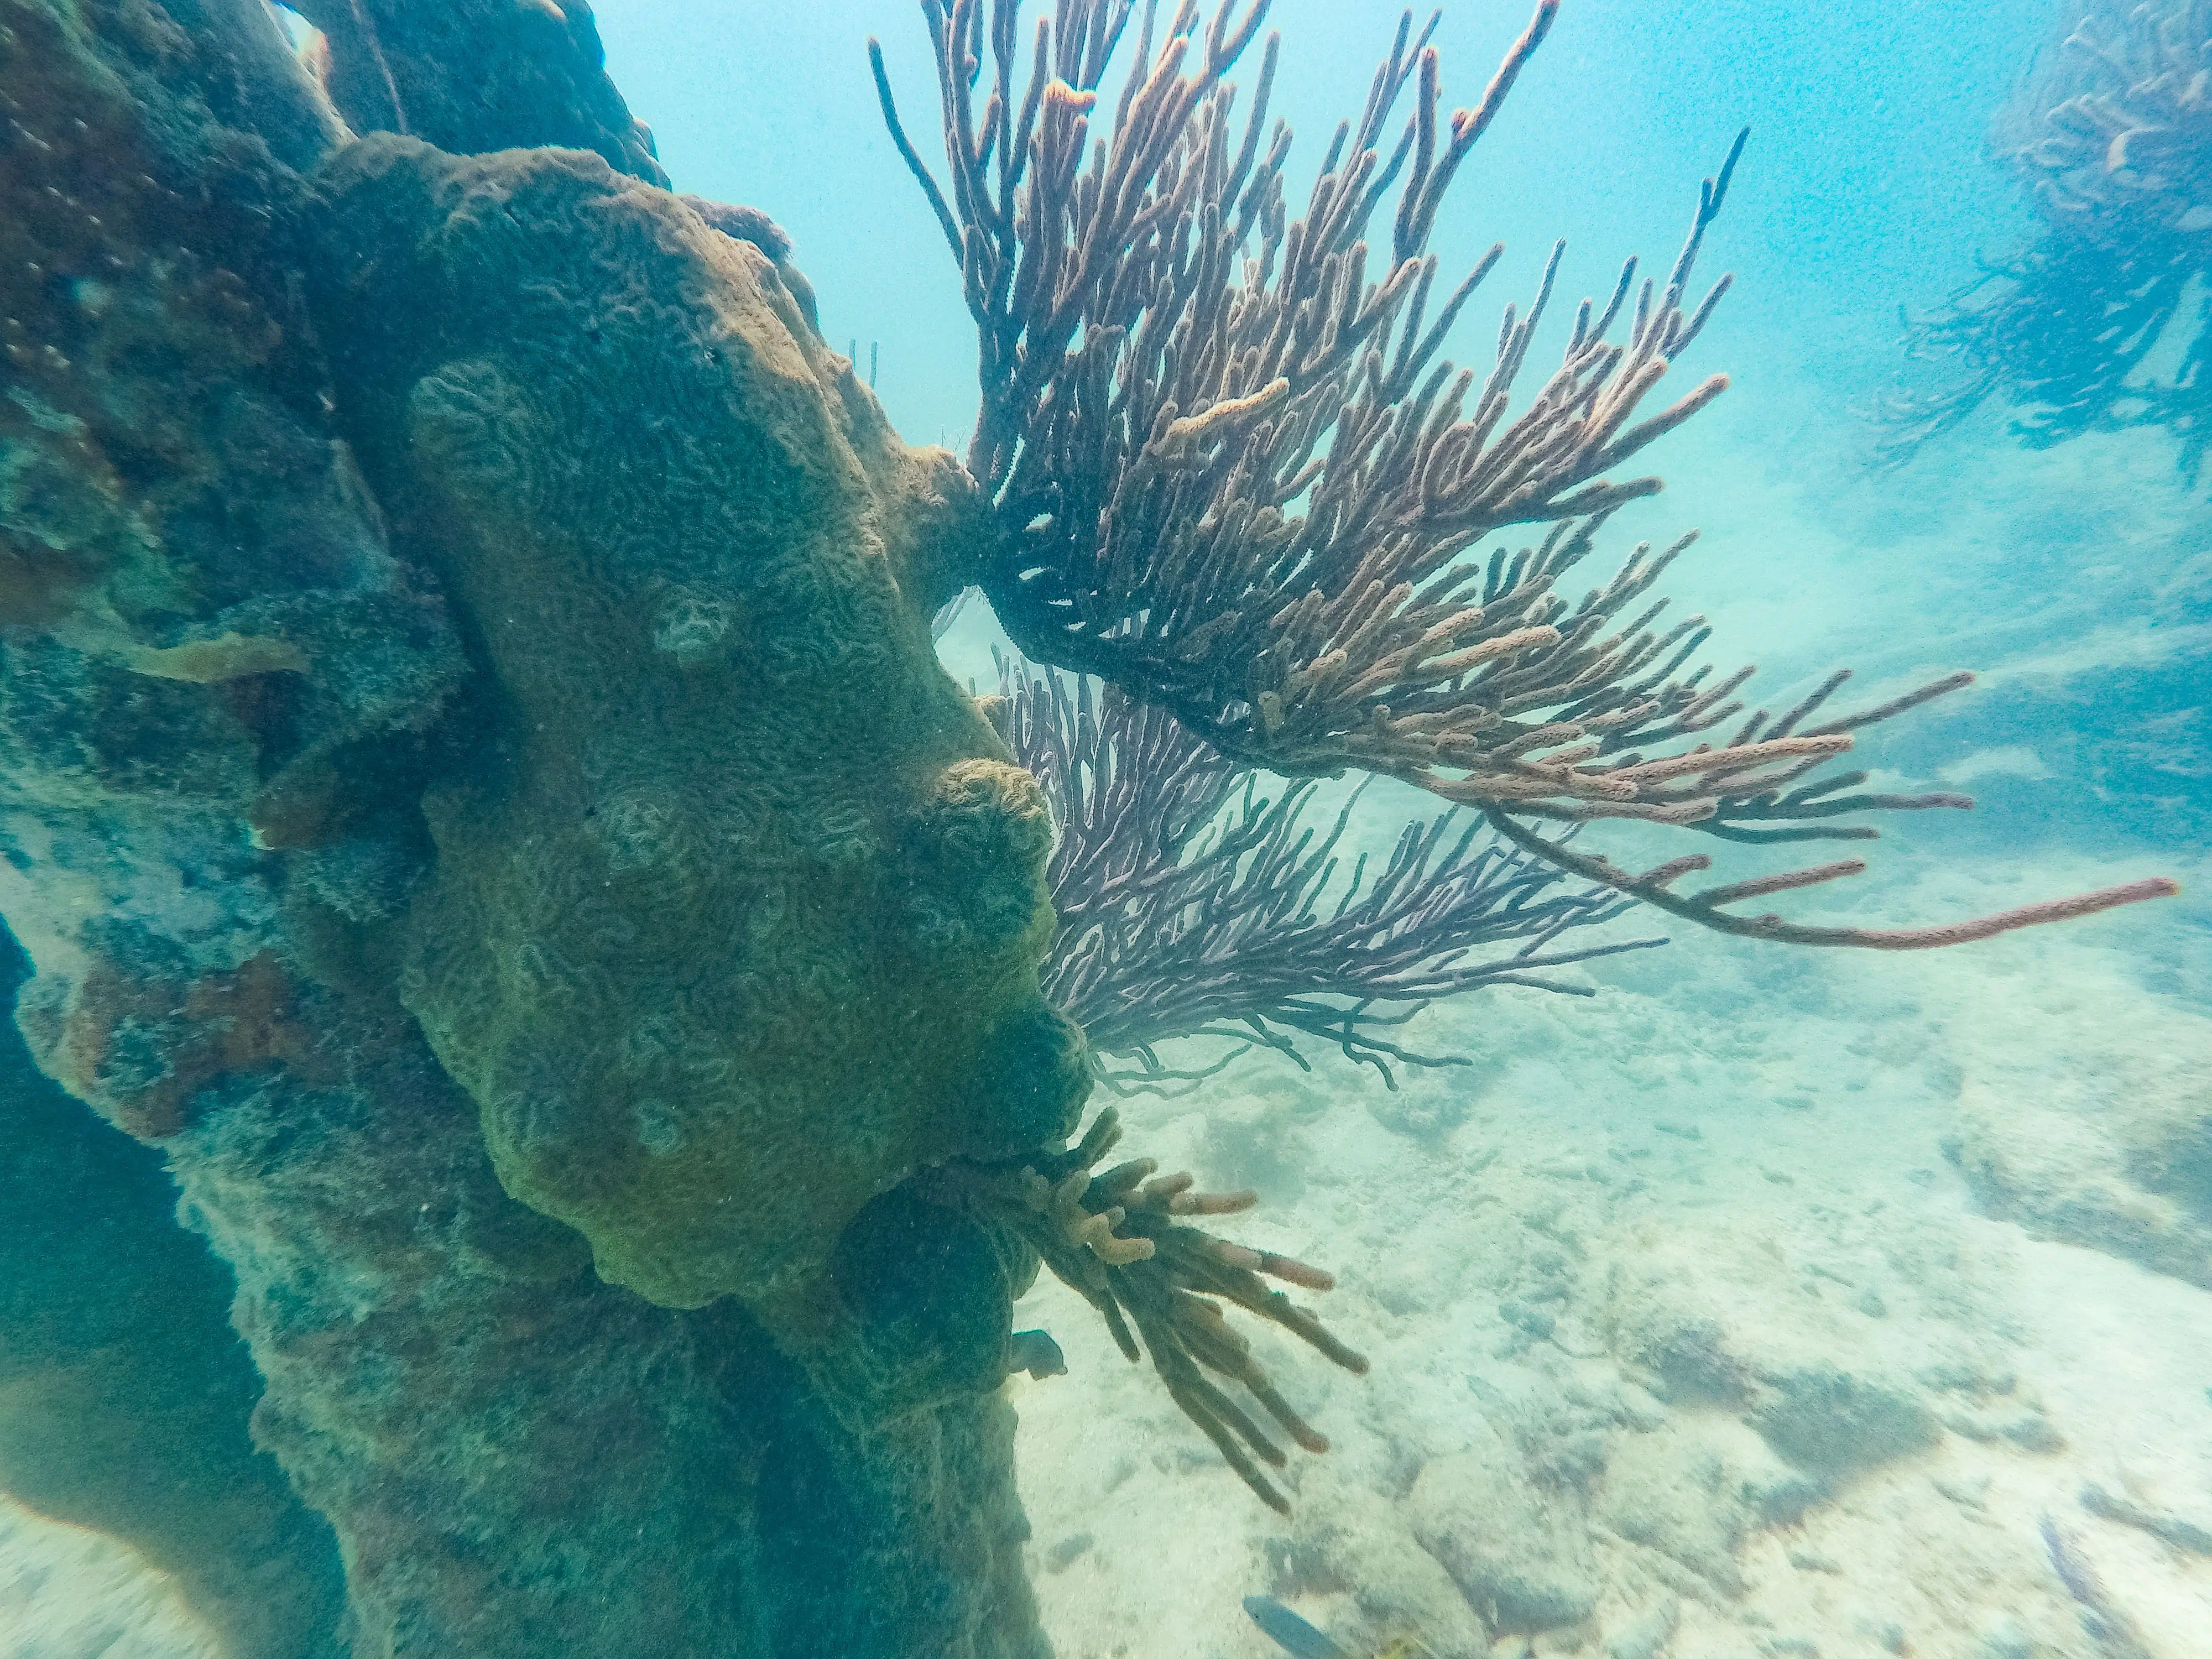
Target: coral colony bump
[479,797]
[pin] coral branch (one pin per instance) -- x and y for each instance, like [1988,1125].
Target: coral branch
[1703,908]
[1192,905]
[915,165]
[1230,471]
[1116,1239]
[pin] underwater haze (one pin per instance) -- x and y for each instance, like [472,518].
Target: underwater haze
[1867,187]
[1749,1301]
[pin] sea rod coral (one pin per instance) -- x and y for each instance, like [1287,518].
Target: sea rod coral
[1191,905]
[478,794]
[2098,321]
[1227,471]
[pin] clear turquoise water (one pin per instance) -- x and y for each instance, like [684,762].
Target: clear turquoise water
[1866,187]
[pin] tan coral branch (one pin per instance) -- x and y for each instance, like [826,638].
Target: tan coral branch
[1121,1245]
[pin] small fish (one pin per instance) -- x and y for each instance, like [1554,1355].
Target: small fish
[1301,1641]
[1035,1352]
[1289,1632]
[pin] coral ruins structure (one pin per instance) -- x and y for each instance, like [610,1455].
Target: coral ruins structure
[476,793]
[2101,320]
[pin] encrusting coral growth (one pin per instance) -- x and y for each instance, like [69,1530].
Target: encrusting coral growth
[2097,322]
[478,794]
[1191,906]
[1238,482]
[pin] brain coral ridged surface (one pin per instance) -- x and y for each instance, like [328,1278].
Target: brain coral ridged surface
[739,900]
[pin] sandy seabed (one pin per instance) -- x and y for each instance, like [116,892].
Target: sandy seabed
[1734,1312]
[68,1594]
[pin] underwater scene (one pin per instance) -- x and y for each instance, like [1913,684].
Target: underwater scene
[910,829]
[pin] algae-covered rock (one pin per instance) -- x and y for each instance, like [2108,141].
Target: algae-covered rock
[1347,1537]
[1694,1489]
[372,624]
[535,75]
[1723,1322]
[2115,1157]
[1832,1421]
[207,647]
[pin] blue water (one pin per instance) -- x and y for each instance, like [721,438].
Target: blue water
[1866,187]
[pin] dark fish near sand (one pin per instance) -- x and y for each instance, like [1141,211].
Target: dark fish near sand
[1289,1632]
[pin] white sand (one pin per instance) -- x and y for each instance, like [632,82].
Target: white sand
[68,1594]
[1813,1227]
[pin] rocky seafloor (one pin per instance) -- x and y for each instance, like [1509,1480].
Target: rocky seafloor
[1703,1325]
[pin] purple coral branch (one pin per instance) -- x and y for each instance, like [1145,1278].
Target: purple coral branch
[1192,905]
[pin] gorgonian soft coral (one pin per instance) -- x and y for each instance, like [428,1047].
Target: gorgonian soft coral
[2098,321]
[1227,470]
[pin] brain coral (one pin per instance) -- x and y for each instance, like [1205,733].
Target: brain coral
[739,900]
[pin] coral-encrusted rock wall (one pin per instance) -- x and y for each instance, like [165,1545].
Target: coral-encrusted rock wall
[529,73]
[478,794]
[124,1396]
[738,901]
